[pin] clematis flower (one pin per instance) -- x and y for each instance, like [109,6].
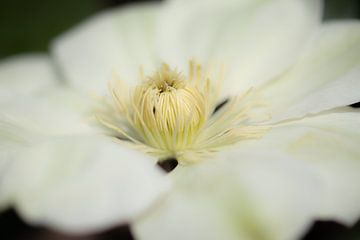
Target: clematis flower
[244,101]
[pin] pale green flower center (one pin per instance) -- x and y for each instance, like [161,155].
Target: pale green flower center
[172,116]
[170,110]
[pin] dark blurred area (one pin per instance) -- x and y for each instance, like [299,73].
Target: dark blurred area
[335,9]
[29,26]
[12,227]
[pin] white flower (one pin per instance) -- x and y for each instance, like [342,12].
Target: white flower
[282,152]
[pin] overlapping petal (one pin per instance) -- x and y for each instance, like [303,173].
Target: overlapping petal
[118,41]
[25,74]
[271,188]
[241,195]
[83,183]
[256,40]
[55,110]
[21,79]
[328,144]
[326,76]
[57,169]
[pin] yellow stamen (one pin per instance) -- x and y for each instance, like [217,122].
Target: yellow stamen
[168,108]
[171,115]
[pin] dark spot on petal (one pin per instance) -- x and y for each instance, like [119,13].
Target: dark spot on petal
[331,230]
[355,105]
[154,110]
[168,164]
[220,105]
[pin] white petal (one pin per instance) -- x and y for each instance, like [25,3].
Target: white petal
[81,184]
[55,110]
[329,145]
[31,105]
[25,74]
[25,119]
[238,196]
[326,76]
[256,40]
[119,40]
[32,98]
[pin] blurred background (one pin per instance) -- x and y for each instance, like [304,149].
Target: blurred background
[29,26]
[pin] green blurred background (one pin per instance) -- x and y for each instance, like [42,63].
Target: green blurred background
[27,26]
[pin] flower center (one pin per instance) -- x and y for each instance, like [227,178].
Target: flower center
[170,110]
[170,115]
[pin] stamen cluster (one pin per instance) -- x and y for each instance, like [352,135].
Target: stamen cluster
[169,110]
[170,115]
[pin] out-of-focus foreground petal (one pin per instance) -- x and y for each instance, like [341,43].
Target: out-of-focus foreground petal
[256,40]
[25,74]
[82,184]
[329,145]
[56,169]
[25,106]
[34,99]
[253,196]
[326,76]
[119,40]
[53,110]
